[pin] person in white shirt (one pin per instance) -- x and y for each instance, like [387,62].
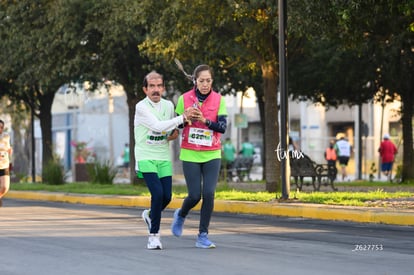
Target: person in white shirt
[155,125]
[5,157]
[343,151]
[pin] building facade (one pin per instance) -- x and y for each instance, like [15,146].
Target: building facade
[99,119]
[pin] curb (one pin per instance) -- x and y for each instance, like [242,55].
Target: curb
[312,211]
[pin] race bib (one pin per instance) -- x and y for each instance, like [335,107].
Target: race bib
[157,138]
[200,136]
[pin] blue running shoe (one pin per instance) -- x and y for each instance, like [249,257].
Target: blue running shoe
[177,224]
[203,241]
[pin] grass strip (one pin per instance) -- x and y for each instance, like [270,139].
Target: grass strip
[223,193]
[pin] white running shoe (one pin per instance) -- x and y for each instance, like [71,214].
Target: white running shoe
[154,241]
[146,217]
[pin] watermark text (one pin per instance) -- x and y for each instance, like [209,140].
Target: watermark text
[282,154]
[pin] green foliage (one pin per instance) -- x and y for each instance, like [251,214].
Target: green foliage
[85,188]
[237,41]
[245,196]
[41,50]
[53,173]
[102,172]
[349,198]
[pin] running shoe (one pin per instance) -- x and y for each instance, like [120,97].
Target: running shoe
[203,241]
[154,242]
[177,224]
[147,219]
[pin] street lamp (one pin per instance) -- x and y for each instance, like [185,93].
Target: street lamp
[285,169]
[108,86]
[241,118]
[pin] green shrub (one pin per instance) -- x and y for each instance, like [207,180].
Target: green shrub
[53,173]
[102,172]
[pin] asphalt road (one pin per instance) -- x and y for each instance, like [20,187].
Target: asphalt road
[48,238]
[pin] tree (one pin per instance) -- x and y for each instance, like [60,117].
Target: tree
[56,42]
[381,44]
[326,74]
[114,28]
[41,51]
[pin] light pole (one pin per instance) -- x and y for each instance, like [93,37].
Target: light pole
[242,120]
[108,86]
[381,129]
[284,131]
[32,118]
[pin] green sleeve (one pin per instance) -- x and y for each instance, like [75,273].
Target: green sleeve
[223,110]
[179,109]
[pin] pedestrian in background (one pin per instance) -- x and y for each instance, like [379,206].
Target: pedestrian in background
[330,154]
[5,162]
[201,151]
[387,151]
[343,151]
[155,125]
[247,149]
[331,157]
[229,152]
[125,160]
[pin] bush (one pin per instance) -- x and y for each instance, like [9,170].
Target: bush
[102,172]
[53,173]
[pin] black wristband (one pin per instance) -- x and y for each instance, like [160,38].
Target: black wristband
[208,122]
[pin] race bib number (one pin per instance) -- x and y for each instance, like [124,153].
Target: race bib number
[157,138]
[200,136]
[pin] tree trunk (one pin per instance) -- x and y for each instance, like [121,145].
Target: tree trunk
[45,117]
[407,124]
[260,102]
[132,99]
[21,146]
[271,136]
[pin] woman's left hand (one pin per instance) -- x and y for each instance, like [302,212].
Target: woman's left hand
[199,116]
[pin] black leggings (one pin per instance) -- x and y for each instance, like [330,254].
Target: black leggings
[201,180]
[160,189]
[4,172]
